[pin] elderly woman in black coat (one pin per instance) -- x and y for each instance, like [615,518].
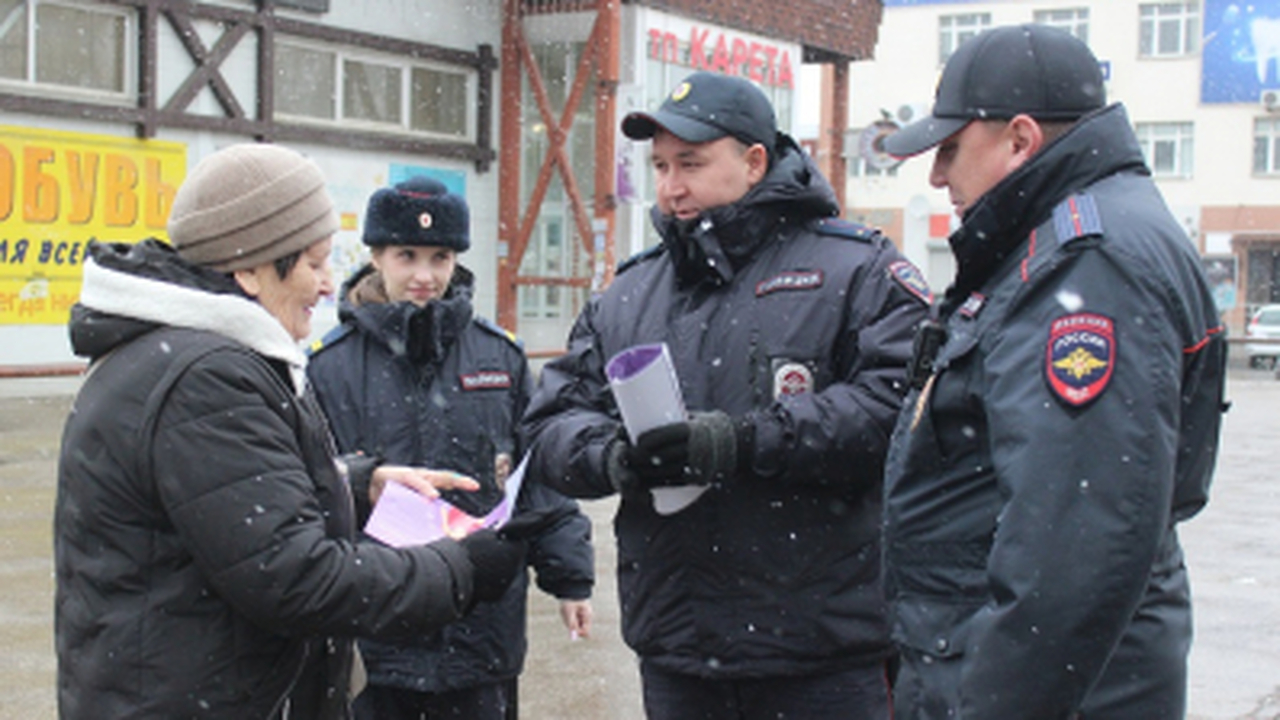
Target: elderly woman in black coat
[204,534]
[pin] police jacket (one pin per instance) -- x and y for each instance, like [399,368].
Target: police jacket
[440,388]
[798,325]
[202,533]
[1069,421]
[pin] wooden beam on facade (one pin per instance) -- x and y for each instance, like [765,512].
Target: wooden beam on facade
[608,61]
[835,93]
[510,122]
[207,63]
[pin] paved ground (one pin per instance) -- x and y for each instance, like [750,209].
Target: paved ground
[1233,551]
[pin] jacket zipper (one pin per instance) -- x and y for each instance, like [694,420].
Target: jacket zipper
[297,675]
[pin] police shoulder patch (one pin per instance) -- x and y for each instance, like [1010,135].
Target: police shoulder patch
[1080,356]
[638,257]
[909,277]
[330,338]
[1076,217]
[496,329]
[837,227]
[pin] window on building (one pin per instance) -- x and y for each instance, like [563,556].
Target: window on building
[1168,29]
[35,46]
[546,257]
[953,30]
[330,84]
[1266,146]
[372,91]
[447,114]
[1168,148]
[308,82]
[1073,20]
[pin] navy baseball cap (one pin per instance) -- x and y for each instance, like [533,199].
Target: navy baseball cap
[708,106]
[1037,70]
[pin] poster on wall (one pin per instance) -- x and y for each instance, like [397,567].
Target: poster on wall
[455,181]
[60,190]
[1240,54]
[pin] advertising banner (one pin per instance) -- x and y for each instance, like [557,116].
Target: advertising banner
[1241,53]
[58,191]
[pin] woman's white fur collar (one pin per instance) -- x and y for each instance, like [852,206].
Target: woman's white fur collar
[243,320]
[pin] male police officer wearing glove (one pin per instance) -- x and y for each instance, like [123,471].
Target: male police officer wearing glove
[1067,415]
[790,331]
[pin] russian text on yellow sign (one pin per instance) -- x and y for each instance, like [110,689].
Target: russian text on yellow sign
[58,191]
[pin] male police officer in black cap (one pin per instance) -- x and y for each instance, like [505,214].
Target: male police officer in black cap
[790,331]
[1065,410]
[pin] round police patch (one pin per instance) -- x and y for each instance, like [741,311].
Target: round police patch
[792,378]
[1080,357]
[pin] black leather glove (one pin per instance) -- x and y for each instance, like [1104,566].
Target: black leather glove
[699,451]
[495,560]
[615,465]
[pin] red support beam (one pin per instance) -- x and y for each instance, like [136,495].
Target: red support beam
[835,91]
[608,50]
[516,222]
[510,115]
[557,134]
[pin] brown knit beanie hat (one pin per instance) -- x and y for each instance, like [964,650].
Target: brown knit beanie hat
[250,204]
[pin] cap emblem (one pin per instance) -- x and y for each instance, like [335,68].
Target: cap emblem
[681,92]
[425,220]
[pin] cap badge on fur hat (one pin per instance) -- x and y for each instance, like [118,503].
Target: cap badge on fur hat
[419,211]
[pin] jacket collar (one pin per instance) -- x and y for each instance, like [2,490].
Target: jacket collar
[1099,145]
[150,284]
[421,334]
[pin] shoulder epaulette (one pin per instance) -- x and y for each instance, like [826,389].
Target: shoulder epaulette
[334,335]
[642,255]
[1076,217]
[837,227]
[493,327]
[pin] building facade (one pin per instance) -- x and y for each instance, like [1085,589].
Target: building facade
[98,133]
[512,103]
[1200,80]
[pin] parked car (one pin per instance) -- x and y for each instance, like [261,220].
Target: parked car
[1265,323]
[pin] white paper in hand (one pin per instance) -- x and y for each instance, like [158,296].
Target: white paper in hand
[644,384]
[404,518]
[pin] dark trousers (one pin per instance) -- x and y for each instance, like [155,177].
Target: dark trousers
[858,694]
[496,701]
